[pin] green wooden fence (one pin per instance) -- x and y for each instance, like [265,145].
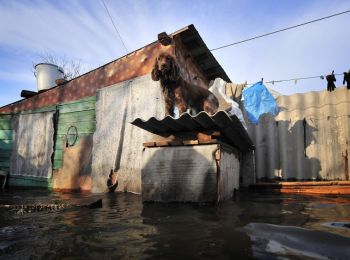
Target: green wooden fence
[6,140]
[78,116]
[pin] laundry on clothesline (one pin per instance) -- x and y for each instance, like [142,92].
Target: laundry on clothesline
[257,100]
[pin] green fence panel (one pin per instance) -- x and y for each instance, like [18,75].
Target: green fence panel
[81,116]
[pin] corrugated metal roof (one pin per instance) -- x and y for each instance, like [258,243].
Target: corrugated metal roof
[201,54]
[230,126]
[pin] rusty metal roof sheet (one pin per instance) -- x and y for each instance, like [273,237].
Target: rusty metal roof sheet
[230,126]
[201,54]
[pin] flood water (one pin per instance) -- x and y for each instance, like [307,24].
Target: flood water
[124,228]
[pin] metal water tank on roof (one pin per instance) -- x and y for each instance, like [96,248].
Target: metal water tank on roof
[46,74]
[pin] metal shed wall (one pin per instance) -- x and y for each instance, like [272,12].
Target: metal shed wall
[116,143]
[307,140]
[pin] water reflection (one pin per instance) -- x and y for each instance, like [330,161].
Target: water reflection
[125,228]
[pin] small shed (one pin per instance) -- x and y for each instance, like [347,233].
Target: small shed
[84,131]
[192,158]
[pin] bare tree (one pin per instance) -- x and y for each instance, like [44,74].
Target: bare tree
[72,68]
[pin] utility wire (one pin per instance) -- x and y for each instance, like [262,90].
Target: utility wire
[295,79]
[115,27]
[281,30]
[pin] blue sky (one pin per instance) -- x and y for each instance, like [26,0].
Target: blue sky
[81,30]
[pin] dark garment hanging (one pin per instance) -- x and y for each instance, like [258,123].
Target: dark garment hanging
[347,79]
[330,82]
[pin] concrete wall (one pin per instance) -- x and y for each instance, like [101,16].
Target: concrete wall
[307,140]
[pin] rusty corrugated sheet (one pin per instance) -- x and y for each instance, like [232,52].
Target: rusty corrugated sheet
[229,126]
[307,140]
[200,53]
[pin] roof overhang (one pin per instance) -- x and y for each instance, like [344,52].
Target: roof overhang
[200,53]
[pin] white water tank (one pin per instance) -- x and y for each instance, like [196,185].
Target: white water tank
[46,74]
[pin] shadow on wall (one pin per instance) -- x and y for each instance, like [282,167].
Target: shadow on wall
[183,173]
[75,173]
[295,143]
[283,150]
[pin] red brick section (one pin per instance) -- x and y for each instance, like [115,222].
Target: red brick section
[136,64]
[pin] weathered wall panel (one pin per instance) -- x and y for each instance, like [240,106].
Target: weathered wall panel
[229,173]
[117,143]
[32,147]
[182,173]
[307,140]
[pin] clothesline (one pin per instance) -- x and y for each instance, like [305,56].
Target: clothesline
[294,79]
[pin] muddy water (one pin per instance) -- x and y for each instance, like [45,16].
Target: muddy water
[124,228]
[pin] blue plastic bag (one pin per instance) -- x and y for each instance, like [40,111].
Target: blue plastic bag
[257,100]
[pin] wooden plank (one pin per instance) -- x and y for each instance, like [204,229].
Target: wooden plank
[61,138]
[81,105]
[314,183]
[85,99]
[334,190]
[5,164]
[300,183]
[6,145]
[190,142]
[6,134]
[5,124]
[149,144]
[178,143]
[207,137]
[6,116]
[88,115]
[82,127]
[175,143]
[26,181]
[162,144]
[58,155]
[213,141]
[5,153]
[191,135]
[39,110]
[57,164]
[305,187]
[7,141]
[58,145]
